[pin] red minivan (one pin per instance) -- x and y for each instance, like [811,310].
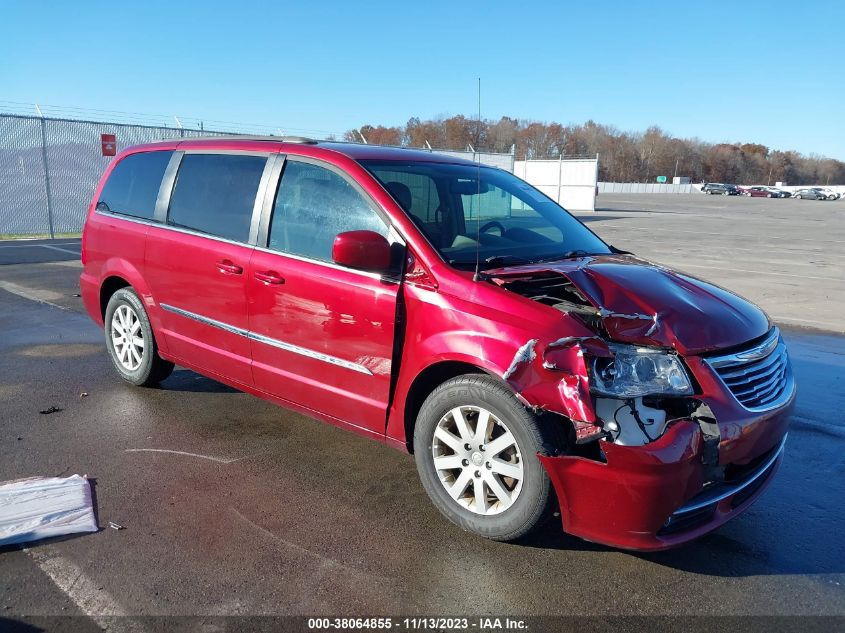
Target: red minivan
[450,310]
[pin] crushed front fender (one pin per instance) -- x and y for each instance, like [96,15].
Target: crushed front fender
[625,501]
[642,497]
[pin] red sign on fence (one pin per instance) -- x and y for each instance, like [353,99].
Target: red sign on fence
[109,143]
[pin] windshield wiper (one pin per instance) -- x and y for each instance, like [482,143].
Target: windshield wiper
[504,260]
[496,260]
[566,255]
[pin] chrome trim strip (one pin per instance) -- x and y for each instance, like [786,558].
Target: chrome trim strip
[716,498]
[387,277]
[170,227]
[212,322]
[269,200]
[258,205]
[746,356]
[289,347]
[165,189]
[767,347]
[227,152]
[260,338]
[128,218]
[733,373]
[187,231]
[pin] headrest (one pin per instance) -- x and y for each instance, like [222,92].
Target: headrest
[401,194]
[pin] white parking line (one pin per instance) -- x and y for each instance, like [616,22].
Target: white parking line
[624,228]
[41,296]
[826,325]
[219,460]
[56,248]
[325,562]
[782,252]
[70,263]
[682,265]
[34,245]
[94,601]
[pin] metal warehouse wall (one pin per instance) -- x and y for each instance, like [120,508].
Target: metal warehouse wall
[502,161]
[569,181]
[645,187]
[49,168]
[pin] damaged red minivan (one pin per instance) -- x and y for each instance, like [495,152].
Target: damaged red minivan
[450,310]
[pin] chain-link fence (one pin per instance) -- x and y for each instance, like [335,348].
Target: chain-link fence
[49,168]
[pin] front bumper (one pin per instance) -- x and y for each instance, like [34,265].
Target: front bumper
[653,497]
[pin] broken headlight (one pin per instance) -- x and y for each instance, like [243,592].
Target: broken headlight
[639,371]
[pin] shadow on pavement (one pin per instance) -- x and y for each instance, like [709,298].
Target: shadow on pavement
[189,381]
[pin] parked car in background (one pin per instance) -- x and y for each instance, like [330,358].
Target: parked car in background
[714,188]
[810,194]
[763,192]
[530,367]
[777,193]
[828,193]
[759,192]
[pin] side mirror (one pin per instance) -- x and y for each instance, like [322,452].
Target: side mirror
[364,250]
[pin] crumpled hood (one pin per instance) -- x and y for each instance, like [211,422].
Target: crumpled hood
[642,303]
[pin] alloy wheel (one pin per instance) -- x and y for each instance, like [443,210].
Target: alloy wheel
[478,460]
[127,337]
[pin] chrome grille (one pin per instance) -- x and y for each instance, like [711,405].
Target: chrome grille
[759,377]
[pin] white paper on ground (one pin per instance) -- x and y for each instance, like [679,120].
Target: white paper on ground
[40,507]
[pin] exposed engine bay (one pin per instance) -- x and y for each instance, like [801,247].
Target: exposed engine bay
[630,422]
[627,381]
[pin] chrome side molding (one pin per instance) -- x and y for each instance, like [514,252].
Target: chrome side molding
[266,340]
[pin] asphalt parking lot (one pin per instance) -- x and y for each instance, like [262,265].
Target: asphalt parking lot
[786,255]
[233,506]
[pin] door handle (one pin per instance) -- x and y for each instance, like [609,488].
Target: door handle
[227,267]
[269,277]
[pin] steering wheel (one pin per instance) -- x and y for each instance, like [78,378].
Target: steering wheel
[493,224]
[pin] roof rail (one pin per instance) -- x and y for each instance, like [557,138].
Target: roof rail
[299,139]
[304,140]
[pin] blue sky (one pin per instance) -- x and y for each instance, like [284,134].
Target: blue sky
[768,72]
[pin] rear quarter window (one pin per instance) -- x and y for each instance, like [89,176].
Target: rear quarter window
[132,187]
[215,194]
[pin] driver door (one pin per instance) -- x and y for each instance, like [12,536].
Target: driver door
[321,334]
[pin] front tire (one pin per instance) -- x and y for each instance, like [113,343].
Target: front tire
[476,448]
[130,341]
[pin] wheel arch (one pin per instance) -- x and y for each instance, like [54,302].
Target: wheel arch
[427,381]
[110,285]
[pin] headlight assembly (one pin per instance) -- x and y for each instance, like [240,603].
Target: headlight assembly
[639,371]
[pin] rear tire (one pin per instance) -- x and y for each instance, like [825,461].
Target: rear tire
[131,343]
[487,480]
